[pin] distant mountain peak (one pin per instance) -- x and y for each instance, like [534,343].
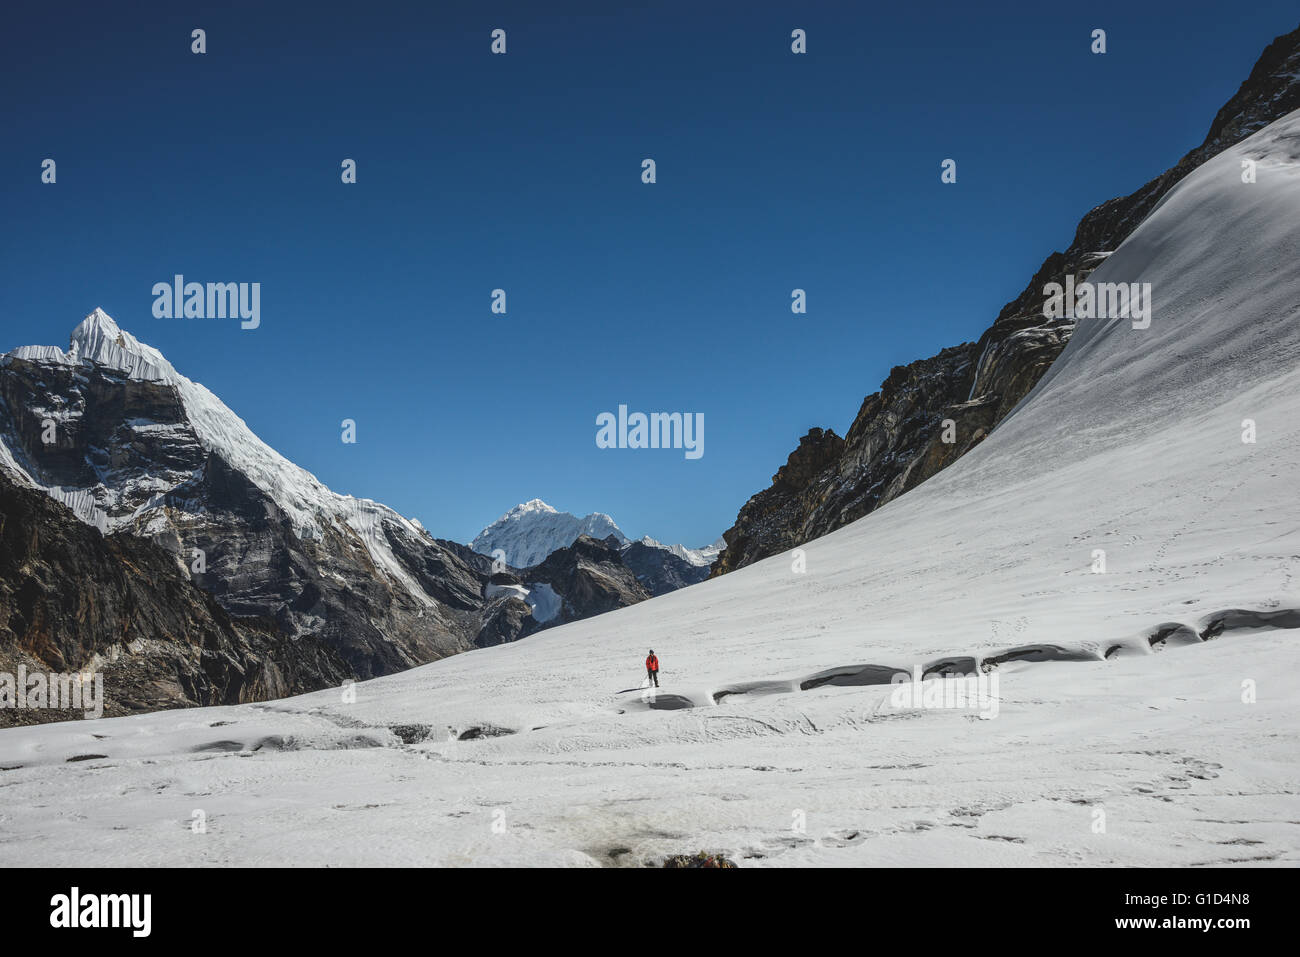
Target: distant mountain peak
[531,531]
[701,557]
[532,505]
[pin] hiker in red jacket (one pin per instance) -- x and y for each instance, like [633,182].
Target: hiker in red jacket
[652,668]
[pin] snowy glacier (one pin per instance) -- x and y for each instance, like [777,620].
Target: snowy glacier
[1148,713]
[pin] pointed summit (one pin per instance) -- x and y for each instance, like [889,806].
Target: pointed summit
[96,328]
[100,340]
[99,322]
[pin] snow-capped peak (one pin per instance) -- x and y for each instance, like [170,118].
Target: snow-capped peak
[309,504]
[100,340]
[97,325]
[531,531]
[696,556]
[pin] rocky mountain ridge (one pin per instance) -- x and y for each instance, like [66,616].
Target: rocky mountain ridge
[898,438]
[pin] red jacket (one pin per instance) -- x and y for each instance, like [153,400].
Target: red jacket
[652,663]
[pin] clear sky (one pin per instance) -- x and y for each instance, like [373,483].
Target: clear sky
[523,172]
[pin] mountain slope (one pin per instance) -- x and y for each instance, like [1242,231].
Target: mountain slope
[73,600]
[1152,698]
[897,440]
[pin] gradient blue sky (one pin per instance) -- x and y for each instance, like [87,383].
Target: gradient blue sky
[522,171]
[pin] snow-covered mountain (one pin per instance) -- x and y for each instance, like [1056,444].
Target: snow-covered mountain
[320,586]
[1121,553]
[702,557]
[118,500]
[529,532]
[112,430]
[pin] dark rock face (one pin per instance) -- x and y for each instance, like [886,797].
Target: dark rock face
[110,430]
[816,450]
[591,577]
[660,571]
[895,443]
[73,599]
[507,619]
[897,439]
[1270,92]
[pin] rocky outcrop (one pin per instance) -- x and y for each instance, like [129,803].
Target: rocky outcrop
[931,412]
[591,576]
[72,599]
[893,445]
[507,619]
[660,571]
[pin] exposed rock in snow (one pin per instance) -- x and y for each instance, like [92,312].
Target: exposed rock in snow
[661,570]
[584,579]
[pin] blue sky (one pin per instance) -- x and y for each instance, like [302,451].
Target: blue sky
[522,172]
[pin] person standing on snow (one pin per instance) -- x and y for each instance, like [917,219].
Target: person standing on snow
[652,668]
